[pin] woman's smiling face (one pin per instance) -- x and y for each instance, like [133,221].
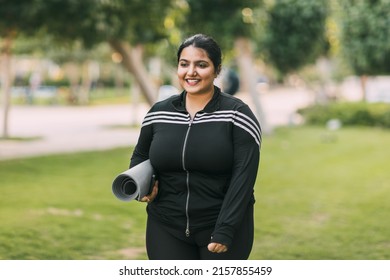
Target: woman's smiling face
[196,72]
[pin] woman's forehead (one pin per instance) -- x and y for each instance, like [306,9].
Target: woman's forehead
[194,53]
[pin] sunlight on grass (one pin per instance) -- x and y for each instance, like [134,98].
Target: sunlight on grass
[318,196]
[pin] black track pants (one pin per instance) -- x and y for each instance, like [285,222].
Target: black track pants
[166,243]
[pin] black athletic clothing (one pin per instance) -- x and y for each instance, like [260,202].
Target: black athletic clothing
[206,166]
[166,243]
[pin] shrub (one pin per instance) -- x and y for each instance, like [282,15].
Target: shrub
[349,113]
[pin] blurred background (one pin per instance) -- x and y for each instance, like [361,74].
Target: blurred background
[77,77]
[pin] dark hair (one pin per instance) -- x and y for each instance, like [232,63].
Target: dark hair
[206,43]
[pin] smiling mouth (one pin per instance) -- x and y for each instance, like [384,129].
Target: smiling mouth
[192,82]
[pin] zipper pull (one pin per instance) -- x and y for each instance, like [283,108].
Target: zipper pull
[187,232]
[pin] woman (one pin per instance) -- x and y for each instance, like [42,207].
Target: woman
[205,147]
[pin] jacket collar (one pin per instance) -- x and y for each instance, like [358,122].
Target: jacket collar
[180,104]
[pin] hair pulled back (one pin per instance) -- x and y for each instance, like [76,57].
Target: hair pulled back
[206,43]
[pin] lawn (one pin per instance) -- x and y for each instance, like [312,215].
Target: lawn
[320,195]
[97,96]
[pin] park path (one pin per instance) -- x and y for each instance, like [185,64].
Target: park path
[64,129]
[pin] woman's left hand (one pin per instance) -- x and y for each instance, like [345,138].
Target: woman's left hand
[217,247]
[150,197]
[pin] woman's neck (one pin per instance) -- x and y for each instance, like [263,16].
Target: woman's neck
[197,102]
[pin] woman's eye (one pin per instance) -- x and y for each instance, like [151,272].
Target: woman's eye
[202,65]
[183,64]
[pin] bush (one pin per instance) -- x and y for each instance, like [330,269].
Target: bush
[349,113]
[57,83]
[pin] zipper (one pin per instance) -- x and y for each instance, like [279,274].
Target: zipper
[187,232]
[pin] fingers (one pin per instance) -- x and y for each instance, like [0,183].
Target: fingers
[154,190]
[145,199]
[150,197]
[217,248]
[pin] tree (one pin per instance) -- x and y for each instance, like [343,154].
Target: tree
[14,18]
[80,65]
[125,25]
[6,80]
[365,28]
[122,24]
[295,34]
[225,20]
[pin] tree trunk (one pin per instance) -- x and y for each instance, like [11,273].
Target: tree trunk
[248,81]
[5,62]
[363,83]
[90,70]
[72,71]
[132,61]
[135,94]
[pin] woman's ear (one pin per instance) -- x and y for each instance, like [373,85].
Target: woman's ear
[218,70]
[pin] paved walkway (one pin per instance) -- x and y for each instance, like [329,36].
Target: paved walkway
[72,129]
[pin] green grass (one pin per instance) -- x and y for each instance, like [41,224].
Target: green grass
[111,96]
[320,195]
[98,96]
[323,195]
[34,138]
[61,207]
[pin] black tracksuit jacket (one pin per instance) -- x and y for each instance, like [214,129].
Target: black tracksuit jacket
[206,167]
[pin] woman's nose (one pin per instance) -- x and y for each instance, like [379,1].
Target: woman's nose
[191,71]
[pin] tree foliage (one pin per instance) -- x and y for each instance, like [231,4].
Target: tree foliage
[225,20]
[43,25]
[16,16]
[121,23]
[295,35]
[366,35]
[94,21]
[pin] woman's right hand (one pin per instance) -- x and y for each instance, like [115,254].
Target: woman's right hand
[150,197]
[217,248]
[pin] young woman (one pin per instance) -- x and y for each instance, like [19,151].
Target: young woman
[205,148]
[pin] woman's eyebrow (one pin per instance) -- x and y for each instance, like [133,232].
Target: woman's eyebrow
[196,61]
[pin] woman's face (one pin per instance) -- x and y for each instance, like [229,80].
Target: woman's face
[196,72]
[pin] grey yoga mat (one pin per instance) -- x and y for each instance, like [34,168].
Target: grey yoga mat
[134,183]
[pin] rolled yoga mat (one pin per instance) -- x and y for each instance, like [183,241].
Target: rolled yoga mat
[135,182]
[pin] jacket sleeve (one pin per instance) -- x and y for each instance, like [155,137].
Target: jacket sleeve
[141,150]
[247,143]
